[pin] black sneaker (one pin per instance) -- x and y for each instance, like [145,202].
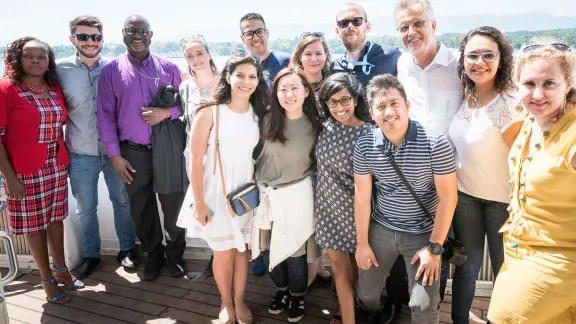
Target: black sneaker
[128,259]
[279,303]
[296,309]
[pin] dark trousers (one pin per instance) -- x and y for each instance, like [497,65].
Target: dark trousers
[290,275]
[144,208]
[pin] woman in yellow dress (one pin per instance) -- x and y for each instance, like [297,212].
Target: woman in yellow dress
[537,283]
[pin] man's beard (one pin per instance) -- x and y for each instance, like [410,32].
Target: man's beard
[354,45]
[90,56]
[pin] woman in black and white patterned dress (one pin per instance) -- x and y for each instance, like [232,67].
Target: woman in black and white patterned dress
[346,117]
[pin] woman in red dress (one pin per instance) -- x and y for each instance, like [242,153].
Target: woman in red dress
[34,160]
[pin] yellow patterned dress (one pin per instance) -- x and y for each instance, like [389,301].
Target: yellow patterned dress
[537,283]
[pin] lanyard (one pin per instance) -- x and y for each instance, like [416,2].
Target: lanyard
[366,67]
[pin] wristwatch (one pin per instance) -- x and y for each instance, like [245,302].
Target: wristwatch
[435,248]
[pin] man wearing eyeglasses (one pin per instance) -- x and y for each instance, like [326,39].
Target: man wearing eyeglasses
[429,72]
[79,80]
[255,37]
[126,88]
[363,58]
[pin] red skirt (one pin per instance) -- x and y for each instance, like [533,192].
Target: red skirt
[46,197]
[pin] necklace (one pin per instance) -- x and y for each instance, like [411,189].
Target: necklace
[34,90]
[156,79]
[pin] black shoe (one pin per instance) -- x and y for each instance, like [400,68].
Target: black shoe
[177,268]
[362,316]
[154,265]
[87,266]
[296,309]
[208,272]
[325,282]
[279,303]
[128,259]
[389,311]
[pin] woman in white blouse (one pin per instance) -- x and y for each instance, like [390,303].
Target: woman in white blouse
[482,132]
[200,76]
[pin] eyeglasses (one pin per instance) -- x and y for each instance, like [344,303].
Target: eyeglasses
[140,31]
[187,40]
[258,32]
[487,57]
[243,53]
[558,46]
[315,34]
[85,37]
[344,23]
[344,101]
[405,28]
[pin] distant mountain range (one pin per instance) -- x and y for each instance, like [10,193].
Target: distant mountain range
[386,26]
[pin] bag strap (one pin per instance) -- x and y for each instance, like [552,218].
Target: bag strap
[219,159]
[388,153]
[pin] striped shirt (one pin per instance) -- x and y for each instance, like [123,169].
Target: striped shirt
[422,154]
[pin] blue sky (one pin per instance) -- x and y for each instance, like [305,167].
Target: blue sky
[48,20]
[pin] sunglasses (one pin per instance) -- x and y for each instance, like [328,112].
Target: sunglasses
[487,57]
[258,32]
[344,101]
[140,31]
[85,37]
[558,46]
[187,40]
[315,34]
[243,53]
[356,22]
[405,28]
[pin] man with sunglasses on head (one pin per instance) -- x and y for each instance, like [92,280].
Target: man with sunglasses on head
[255,36]
[126,88]
[363,58]
[79,76]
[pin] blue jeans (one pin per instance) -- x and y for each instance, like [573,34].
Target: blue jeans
[474,218]
[84,175]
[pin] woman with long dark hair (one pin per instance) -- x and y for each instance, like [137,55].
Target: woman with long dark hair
[34,160]
[486,125]
[345,114]
[284,222]
[238,105]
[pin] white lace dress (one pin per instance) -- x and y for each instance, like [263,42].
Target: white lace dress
[238,135]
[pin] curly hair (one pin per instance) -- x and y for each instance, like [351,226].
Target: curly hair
[13,61]
[566,60]
[503,82]
[275,128]
[222,92]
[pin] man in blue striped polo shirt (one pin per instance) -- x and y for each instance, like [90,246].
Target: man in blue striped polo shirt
[397,225]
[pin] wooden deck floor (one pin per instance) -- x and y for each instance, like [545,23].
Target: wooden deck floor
[114,295]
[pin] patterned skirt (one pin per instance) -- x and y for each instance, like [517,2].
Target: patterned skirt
[46,199]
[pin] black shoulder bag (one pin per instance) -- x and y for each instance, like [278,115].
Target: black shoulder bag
[453,250]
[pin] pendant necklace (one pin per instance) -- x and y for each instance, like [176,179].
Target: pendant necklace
[156,79]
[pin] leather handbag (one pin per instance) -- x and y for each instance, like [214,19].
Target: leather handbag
[243,199]
[454,251]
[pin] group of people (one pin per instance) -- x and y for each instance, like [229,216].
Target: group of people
[373,158]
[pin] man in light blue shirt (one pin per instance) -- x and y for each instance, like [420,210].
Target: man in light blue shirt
[79,80]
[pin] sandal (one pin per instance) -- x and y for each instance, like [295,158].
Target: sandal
[61,298]
[336,319]
[77,284]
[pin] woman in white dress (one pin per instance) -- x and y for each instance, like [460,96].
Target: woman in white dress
[241,97]
[199,78]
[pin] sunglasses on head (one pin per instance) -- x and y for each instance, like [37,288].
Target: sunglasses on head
[315,34]
[140,31]
[344,23]
[187,40]
[85,37]
[258,32]
[558,46]
[243,53]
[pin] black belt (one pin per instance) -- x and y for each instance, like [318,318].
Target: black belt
[136,145]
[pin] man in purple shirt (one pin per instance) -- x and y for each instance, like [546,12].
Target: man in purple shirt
[126,88]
